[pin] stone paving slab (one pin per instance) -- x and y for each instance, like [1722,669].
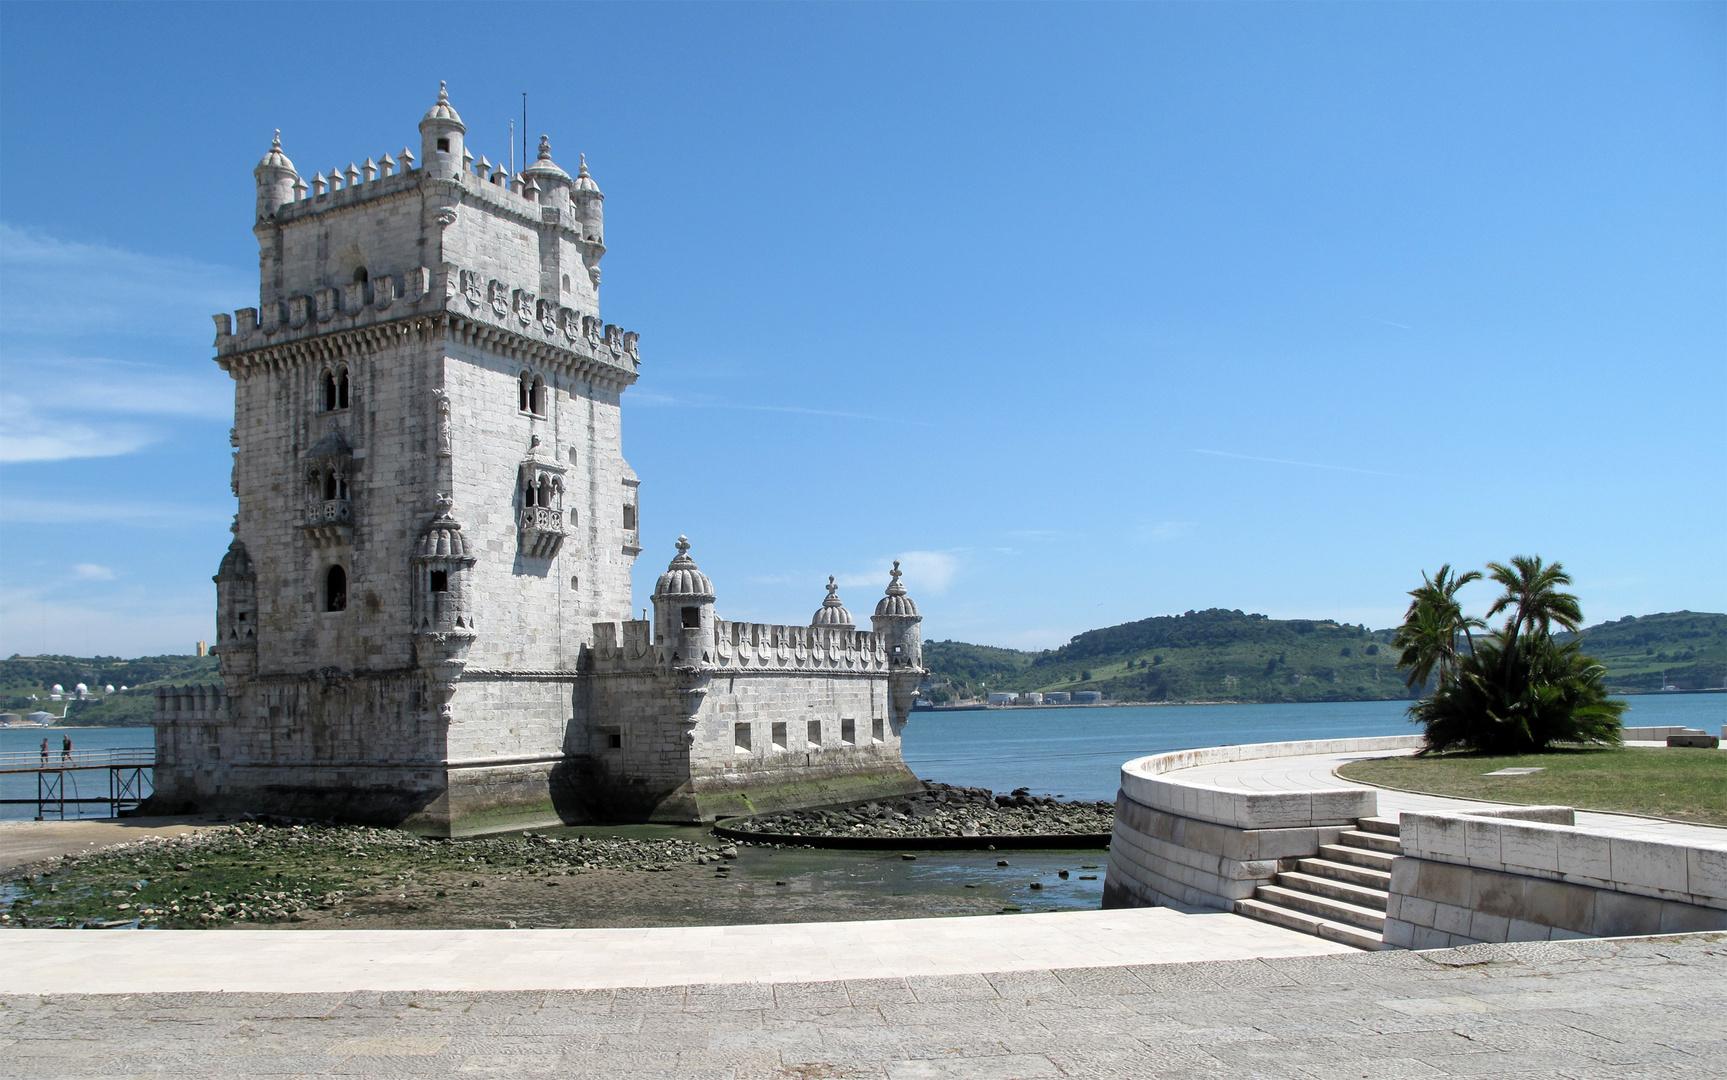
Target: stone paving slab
[1576,1010]
[312,961]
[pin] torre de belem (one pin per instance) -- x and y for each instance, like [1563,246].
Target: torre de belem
[424,616]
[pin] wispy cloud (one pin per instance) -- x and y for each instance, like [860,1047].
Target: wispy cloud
[147,515]
[1165,530]
[927,572]
[91,572]
[1387,322]
[663,400]
[1286,461]
[59,301]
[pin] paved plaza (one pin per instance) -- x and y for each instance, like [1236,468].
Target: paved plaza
[1575,1010]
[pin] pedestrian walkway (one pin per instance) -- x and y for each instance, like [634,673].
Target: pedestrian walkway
[1320,771]
[1580,1010]
[326,961]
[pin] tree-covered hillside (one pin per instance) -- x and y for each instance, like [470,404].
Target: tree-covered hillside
[1212,655]
[22,676]
[1219,655]
[1686,648]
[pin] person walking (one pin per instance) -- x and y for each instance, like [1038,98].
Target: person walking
[44,750]
[65,748]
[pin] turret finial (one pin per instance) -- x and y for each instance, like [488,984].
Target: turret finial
[276,143]
[443,92]
[894,588]
[545,148]
[683,545]
[833,590]
[583,171]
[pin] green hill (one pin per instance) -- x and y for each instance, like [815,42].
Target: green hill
[1687,648]
[22,676]
[1219,655]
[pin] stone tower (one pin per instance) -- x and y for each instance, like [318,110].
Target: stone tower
[437,525]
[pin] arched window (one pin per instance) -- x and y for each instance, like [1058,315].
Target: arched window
[336,589]
[537,399]
[330,485]
[329,391]
[528,494]
[342,386]
[545,492]
[524,389]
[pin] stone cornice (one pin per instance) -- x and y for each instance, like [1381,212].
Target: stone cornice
[375,337]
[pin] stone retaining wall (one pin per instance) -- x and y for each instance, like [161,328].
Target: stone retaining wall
[1190,844]
[1497,876]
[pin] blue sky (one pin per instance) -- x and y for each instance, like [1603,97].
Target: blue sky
[1086,312]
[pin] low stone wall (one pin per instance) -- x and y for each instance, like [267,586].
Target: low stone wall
[1195,845]
[1530,875]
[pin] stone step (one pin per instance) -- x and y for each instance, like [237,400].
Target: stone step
[1354,856]
[1357,875]
[1332,889]
[1330,910]
[1308,924]
[1372,841]
[1389,826]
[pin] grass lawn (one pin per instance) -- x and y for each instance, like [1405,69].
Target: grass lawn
[1687,784]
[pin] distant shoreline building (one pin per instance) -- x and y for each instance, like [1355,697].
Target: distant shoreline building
[424,616]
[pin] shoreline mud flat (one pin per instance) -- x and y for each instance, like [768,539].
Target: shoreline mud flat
[263,874]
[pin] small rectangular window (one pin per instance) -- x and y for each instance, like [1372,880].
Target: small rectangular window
[614,739]
[692,618]
[815,732]
[741,737]
[440,581]
[629,516]
[877,729]
[848,732]
[779,736]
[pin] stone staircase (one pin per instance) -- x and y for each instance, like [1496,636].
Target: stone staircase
[1340,894]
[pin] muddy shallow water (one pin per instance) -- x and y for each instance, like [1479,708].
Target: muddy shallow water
[372,879]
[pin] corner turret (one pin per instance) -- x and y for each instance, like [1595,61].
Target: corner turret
[554,183]
[897,622]
[441,135]
[589,209]
[276,179]
[684,611]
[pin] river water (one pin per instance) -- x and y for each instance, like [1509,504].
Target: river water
[1076,752]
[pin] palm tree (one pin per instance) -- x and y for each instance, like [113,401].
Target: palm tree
[1532,596]
[1428,636]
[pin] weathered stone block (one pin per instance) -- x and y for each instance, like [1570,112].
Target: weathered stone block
[1624,915]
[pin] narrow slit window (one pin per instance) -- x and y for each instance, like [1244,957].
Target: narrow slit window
[877,729]
[341,388]
[537,397]
[779,735]
[741,737]
[815,732]
[329,391]
[629,516]
[849,732]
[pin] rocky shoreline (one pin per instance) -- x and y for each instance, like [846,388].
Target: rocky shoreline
[943,811]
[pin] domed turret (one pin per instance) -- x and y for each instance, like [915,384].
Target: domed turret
[441,137]
[588,199]
[276,178]
[682,580]
[236,609]
[896,602]
[237,563]
[684,611]
[832,615]
[441,558]
[553,182]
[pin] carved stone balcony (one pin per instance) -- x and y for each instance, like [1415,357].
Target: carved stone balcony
[542,531]
[329,522]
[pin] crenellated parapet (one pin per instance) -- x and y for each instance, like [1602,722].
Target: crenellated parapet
[739,646]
